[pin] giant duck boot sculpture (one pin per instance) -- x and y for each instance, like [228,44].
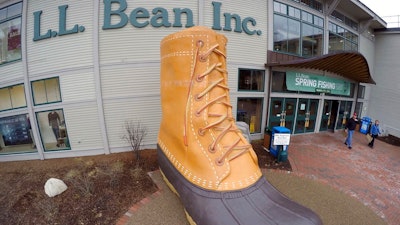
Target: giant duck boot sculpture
[203,156]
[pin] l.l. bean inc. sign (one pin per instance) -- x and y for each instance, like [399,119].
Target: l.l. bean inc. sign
[141,17]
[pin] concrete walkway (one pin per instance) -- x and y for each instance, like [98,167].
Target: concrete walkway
[324,168]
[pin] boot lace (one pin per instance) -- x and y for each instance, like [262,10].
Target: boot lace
[224,123]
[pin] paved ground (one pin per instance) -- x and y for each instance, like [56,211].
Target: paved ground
[372,176]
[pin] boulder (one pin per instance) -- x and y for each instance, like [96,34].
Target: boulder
[54,187]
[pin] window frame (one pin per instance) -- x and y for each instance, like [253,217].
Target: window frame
[10,49]
[348,38]
[11,97]
[282,13]
[258,126]
[35,96]
[253,74]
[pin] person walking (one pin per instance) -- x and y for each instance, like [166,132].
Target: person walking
[375,131]
[350,127]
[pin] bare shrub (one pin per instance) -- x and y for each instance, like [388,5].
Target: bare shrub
[83,177]
[135,133]
[86,184]
[48,208]
[113,173]
[137,173]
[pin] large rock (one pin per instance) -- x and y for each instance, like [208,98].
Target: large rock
[54,187]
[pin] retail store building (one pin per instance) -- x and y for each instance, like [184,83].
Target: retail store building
[72,73]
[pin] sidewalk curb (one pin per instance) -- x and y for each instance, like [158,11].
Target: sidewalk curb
[124,220]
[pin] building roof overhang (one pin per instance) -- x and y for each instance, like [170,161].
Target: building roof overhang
[351,65]
[361,13]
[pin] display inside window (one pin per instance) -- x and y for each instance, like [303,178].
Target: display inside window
[46,91]
[10,28]
[16,135]
[251,80]
[249,110]
[12,97]
[53,130]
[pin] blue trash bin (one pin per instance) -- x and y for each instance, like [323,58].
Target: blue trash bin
[280,138]
[365,123]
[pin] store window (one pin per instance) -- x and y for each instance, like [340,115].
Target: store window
[341,39]
[297,32]
[10,28]
[46,91]
[16,135]
[358,109]
[12,97]
[311,40]
[361,92]
[352,89]
[278,82]
[249,110]
[53,130]
[251,80]
[286,35]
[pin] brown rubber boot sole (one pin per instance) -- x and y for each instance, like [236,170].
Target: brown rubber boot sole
[259,204]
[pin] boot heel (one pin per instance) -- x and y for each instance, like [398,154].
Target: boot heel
[169,184]
[188,217]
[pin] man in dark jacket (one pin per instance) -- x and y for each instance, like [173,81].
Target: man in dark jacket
[350,126]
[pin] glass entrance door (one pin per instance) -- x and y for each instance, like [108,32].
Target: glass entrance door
[344,114]
[306,115]
[329,114]
[282,112]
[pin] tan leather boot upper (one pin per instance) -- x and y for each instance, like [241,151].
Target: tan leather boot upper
[198,133]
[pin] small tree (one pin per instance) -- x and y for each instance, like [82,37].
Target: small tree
[135,132]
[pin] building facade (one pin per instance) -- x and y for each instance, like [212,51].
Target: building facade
[385,95]
[73,73]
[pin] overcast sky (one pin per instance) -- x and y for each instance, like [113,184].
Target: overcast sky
[388,10]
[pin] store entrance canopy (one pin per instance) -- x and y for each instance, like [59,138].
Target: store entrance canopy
[352,65]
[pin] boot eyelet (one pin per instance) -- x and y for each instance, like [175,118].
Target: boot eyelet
[200,43]
[197,97]
[202,58]
[211,149]
[197,113]
[199,78]
[202,132]
[219,162]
